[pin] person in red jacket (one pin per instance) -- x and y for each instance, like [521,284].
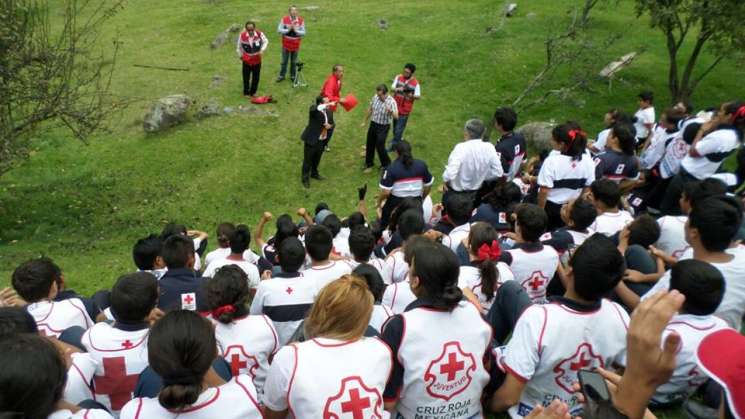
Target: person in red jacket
[251,45]
[332,91]
[406,90]
[292,29]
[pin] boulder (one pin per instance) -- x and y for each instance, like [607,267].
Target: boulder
[166,112]
[209,109]
[537,135]
[611,69]
[219,40]
[234,28]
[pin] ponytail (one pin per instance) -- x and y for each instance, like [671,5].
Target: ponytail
[626,135]
[227,294]
[179,393]
[489,277]
[437,269]
[404,151]
[571,139]
[482,242]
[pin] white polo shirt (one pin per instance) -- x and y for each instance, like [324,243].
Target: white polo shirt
[610,223]
[566,177]
[713,148]
[249,268]
[470,164]
[672,235]
[643,118]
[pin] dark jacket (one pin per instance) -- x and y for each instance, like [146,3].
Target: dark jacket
[312,131]
[181,283]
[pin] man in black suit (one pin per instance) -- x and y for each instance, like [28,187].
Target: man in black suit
[320,121]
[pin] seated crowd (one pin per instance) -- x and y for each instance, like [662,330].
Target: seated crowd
[620,256]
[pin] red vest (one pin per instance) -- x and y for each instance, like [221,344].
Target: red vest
[291,40]
[404,102]
[251,47]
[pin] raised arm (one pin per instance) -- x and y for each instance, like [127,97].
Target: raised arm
[259,233]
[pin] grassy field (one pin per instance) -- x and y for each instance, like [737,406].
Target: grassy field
[84,206]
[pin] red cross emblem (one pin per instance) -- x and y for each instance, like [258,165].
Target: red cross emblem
[355,400]
[535,285]
[289,290]
[241,362]
[583,358]
[115,382]
[450,373]
[127,344]
[188,299]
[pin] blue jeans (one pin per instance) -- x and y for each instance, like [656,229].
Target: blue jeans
[398,129]
[292,57]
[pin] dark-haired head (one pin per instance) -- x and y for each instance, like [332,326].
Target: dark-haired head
[644,231]
[701,283]
[403,206]
[285,228]
[355,219]
[570,139]
[318,242]
[16,320]
[434,275]
[411,223]
[33,378]
[484,236]
[734,114]
[181,349]
[685,107]
[411,67]
[361,243]
[646,96]
[147,252]
[133,297]
[240,239]
[579,214]
[531,222]
[172,229]
[459,208]
[597,267]
[227,294]
[605,194]
[333,223]
[403,149]
[714,222]
[178,252]
[320,207]
[250,25]
[673,116]
[36,279]
[505,118]
[291,255]
[413,243]
[699,190]
[224,231]
[624,135]
[374,281]
[504,196]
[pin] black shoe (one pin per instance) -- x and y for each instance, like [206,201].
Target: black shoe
[280,78]
[306,183]
[317,177]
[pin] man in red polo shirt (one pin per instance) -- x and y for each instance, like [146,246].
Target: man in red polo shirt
[332,91]
[292,29]
[406,91]
[251,45]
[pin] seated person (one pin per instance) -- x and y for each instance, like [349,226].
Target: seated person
[198,238]
[618,162]
[239,242]
[35,281]
[410,224]
[374,281]
[498,206]
[398,295]
[635,241]
[703,288]
[180,287]
[606,197]
[580,330]
[322,270]
[481,277]
[361,245]
[578,215]
[147,255]
[224,231]
[459,208]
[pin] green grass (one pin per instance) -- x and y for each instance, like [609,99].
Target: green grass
[84,206]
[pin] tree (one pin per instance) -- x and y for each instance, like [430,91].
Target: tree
[714,25]
[52,70]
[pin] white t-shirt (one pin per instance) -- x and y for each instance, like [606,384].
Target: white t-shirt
[249,268]
[53,317]
[713,148]
[470,277]
[732,307]
[223,252]
[325,274]
[551,342]
[656,149]
[235,399]
[328,378]
[341,243]
[644,117]
[380,314]
[376,263]
[247,344]
[79,376]
[396,268]
[285,300]
[687,376]
[197,258]
[81,414]
[456,236]
[672,235]
[565,178]
[602,139]
[534,268]
[398,296]
[610,223]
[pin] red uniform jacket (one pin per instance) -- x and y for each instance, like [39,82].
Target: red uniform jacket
[291,40]
[332,90]
[404,103]
[251,47]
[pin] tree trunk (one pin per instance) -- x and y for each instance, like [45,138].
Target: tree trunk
[672,51]
[686,84]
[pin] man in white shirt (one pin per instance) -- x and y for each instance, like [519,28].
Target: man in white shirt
[472,161]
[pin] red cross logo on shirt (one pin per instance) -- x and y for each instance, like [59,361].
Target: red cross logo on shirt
[451,372]
[188,299]
[289,290]
[241,361]
[236,364]
[535,285]
[583,358]
[127,344]
[115,382]
[354,398]
[452,367]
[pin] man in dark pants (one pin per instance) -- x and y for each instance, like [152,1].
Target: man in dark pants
[320,122]
[381,112]
[251,46]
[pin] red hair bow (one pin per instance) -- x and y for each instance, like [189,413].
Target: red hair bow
[573,133]
[492,252]
[226,309]
[739,114]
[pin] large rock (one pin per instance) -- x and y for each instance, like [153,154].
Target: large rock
[211,108]
[537,135]
[219,40]
[166,112]
[611,69]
